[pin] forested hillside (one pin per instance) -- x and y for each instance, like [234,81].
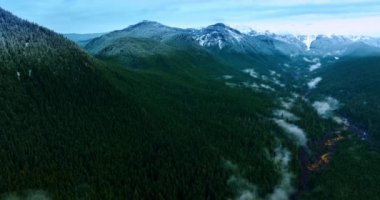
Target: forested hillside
[158,112]
[354,80]
[77,128]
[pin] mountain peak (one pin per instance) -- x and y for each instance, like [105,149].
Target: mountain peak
[148,23]
[220,25]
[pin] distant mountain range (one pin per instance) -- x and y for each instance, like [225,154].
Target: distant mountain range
[223,38]
[82,39]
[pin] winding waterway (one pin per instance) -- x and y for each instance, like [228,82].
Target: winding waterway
[328,146]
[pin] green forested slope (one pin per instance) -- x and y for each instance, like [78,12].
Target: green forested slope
[353,171]
[78,128]
[355,81]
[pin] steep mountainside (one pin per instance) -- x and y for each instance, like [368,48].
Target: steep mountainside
[57,111]
[216,38]
[221,38]
[355,81]
[74,127]
[349,87]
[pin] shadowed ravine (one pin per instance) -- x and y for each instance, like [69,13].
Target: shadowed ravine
[328,145]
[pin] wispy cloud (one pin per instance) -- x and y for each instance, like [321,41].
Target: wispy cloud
[246,190]
[314,82]
[326,107]
[291,15]
[284,114]
[293,131]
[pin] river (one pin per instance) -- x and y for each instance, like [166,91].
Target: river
[328,145]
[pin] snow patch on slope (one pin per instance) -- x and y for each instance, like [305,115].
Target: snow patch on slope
[315,66]
[253,86]
[236,36]
[267,87]
[308,40]
[208,40]
[251,72]
[277,82]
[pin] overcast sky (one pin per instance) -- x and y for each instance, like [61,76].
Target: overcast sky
[354,17]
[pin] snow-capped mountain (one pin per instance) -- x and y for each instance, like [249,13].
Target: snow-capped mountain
[324,45]
[220,37]
[300,41]
[338,45]
[371,41]
[321,45]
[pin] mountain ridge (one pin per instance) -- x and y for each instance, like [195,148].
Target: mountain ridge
[224,38]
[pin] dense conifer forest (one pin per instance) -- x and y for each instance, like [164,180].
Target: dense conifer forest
[152,118]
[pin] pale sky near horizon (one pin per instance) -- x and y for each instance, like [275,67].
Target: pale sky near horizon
[348,17]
